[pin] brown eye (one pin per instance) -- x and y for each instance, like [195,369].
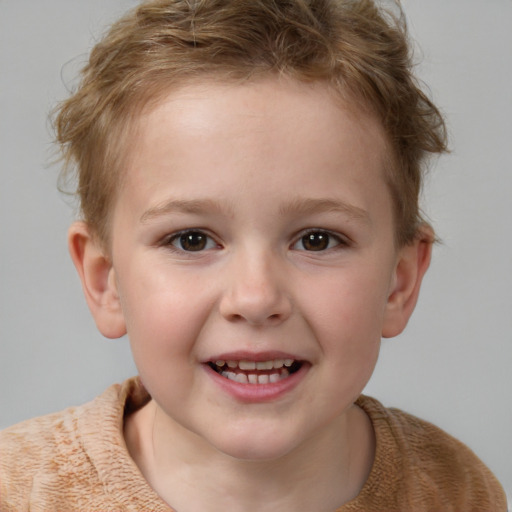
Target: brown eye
[317,241]
[192,241]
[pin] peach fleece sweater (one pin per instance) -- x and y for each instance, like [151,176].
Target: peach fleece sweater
[76,460]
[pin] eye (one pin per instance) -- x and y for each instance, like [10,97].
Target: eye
[317,241]
[191,241]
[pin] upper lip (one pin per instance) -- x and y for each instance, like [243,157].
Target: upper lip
[253,356]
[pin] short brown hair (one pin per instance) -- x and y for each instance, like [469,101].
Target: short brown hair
[359,49]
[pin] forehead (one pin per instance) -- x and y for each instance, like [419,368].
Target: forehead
[216,138]
[260,99]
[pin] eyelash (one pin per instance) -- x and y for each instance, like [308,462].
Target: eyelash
[325,237]
[330,237]
[180,238]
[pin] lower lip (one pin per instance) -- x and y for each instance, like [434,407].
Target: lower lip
[255,393]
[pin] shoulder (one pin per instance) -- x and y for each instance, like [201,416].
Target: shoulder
[46,457]
[31,451]
[433,468]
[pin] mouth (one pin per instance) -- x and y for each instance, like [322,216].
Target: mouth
[256,372]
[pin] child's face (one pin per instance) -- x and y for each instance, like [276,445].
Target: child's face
[255,225]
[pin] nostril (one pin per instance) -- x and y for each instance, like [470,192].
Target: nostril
[257,306]
[235,317]
[255,317]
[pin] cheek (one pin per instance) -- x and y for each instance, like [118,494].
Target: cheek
[349,304]
[163,324]
[164,314]
[346,316]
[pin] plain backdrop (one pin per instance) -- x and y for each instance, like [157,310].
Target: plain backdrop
[453,364]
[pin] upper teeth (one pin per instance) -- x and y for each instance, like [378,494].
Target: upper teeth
[256,365]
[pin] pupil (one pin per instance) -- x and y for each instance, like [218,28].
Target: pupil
[316,241]
[193,241]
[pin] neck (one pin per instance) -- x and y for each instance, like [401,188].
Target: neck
[321,474]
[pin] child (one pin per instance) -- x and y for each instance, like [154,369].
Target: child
[248,172]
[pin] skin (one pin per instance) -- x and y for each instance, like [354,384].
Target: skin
[254,168]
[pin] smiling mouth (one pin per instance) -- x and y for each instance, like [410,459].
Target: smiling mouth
[256,372]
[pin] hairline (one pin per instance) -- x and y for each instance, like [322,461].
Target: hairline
[138,105]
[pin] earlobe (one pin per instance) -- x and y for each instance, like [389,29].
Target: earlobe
[413,262]
[98,280]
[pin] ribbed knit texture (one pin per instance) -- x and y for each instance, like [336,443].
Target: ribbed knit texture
[77,460]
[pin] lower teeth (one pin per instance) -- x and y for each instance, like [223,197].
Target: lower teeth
[253,378]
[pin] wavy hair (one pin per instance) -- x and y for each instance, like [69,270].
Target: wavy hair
[360,49]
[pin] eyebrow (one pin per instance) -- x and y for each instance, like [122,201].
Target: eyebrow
[192,206]
[299,206]
[311,206]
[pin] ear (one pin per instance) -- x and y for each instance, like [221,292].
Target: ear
[413,262]
[98,280]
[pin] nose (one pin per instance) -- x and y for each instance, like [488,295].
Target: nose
[255,291]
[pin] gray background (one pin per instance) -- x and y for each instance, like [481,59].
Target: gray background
[453,365]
